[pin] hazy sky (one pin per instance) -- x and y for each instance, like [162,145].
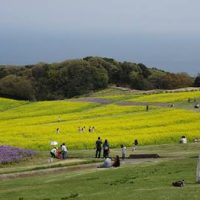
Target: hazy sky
[159,33]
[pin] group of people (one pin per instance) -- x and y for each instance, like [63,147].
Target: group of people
[105,146]
[91,129]
[106,150]
[60,153]
[108,163]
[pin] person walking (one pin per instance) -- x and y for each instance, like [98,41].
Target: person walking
[98,147]
[106,149]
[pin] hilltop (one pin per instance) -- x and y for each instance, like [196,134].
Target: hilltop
[73,78]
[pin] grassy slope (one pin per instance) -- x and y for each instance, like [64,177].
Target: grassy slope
[165,97]
[144,181]
[6,104]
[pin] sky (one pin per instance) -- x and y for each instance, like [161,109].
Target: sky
[159,33]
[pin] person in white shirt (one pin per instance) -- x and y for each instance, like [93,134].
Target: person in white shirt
[64,151]
[183,140]
[106,164]
[53,152]
[123,149]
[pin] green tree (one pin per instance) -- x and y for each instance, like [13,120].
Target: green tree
[78,77]
[16,87]
[197,81]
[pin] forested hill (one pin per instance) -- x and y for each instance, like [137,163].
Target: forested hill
[76,77]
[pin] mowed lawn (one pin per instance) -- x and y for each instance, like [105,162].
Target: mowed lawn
[146,180]
[33,124]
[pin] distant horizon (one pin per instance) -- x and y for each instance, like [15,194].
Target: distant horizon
[119,60]
[165,68]
[165,35]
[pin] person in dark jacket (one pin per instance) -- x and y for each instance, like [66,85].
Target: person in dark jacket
[98,147]
[106,149]
[116,162]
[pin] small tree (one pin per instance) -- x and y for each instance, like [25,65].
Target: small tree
[16,87]
[197,81]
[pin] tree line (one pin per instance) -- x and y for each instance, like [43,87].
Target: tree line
[72,78]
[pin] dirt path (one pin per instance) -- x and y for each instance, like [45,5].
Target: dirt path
[76,168]
[94,100]
[48,171]
[122,103]
[128,103]
[157,91]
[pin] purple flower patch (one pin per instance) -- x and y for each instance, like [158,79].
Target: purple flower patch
[10,154]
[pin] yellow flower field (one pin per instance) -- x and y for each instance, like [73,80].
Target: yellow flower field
[165,97]
[6,104]
[33,124]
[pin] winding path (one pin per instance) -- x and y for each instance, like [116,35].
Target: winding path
[80,168]
[122,103]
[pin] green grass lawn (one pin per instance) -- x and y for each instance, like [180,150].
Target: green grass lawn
[143,180]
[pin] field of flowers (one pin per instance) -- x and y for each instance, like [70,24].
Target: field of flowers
[33,125]
[6,104]
[12,154]
[165,97]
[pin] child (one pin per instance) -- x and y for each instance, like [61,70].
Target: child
[123,148]
[135,144]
